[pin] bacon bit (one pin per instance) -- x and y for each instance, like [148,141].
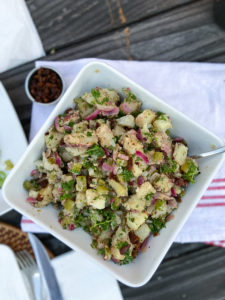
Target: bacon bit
[39,197]
[144,244]
[136,250]
[181,182]
[43,183]
[133,238]
[179,200]
[130,163]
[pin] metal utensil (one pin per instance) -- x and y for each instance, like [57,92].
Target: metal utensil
[31,274]
[46,270]
[209,153]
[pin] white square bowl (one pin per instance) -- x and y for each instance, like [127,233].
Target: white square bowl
[198,138]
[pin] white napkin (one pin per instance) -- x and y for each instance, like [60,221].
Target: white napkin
[82,280]
[78,278]
[20,41]
[196,89]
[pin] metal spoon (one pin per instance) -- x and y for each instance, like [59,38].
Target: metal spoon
[210,153]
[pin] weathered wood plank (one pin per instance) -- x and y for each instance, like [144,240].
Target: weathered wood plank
[197,275]
[62,23]
[186,33]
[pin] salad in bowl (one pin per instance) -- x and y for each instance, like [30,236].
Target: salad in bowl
[112,169]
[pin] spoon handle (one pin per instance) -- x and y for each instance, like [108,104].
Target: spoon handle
[210,153]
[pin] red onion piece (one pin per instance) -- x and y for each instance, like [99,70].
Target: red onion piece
[114,260]
[114,170]
[123,156]
[124,249]
[68,128]
[144,244]
[112,200]
[57,159]
[170,217]
[31,200]
[112,112]
[107,153]
[92,115]
[33,172]
[142,156]
[139,136]
[172,203]
[57,126]
[126,108]
[106,167]
[71,227]
[140,180]
[173,193]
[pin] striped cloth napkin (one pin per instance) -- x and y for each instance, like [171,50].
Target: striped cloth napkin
[196,89]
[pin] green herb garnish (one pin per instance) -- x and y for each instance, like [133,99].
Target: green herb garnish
[121,245]
[128,258]
[149,196]
[193,170]
[169,167]
[156,225]
[67,186]
[96,151]
[127,175]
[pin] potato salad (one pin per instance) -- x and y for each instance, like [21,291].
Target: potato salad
[113,170]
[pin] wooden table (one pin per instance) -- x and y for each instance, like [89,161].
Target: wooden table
[165,30]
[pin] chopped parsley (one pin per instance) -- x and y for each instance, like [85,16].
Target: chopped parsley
[109,221]
[89,133]
[169,167]
[128,258]
[96,151]
[161,116]
[127,175]
[193,170]
[101,251]
[156,225]
[71,123]
[95,93]
[67,186]
[121,245]
[149,196]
